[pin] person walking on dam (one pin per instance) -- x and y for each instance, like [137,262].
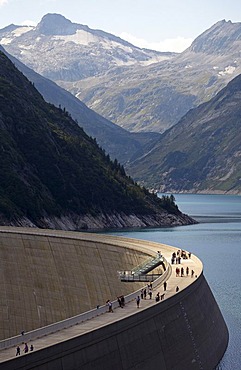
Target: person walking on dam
[18,351]
[109,304]
[165,285]
[25,348]
[138,301]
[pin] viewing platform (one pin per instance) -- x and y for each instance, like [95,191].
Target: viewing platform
[141,272]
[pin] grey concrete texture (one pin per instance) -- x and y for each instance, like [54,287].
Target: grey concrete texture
[48,278]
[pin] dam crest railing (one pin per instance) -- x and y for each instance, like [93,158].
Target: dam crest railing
[78,319]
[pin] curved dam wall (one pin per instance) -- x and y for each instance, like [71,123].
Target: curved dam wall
[50,276]
[185,331]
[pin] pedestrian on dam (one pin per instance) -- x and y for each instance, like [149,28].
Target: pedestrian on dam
[182,272]
[187,270]
[165,285]
[31,347]
[122,301]
[177,289]
[144,292]
[150,292]
[138,301]
[119,301]
[192,273]
[177,271]
[25,348]
[18,351]
[109,304]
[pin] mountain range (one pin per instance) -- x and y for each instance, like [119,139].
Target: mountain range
[52,174]
[68,52]
[138,89]
[199,152]
[155,97]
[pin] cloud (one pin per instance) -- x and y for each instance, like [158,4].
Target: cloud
[178,44]
[3,2]
[28,23]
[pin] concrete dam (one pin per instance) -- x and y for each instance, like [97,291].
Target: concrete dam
[55,285]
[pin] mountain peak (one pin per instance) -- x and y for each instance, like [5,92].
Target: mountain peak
[218,39]
[55,24]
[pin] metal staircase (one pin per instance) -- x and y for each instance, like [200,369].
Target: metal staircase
[140,273]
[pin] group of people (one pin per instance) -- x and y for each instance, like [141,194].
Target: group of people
[181,272]
[121,301]
[176,257]
[146,291]
[24,350]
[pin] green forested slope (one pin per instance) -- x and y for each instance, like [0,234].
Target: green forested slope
[50,167]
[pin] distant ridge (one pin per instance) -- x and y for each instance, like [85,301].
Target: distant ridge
[201,153]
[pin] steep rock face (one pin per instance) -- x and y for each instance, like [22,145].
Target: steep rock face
[53,24]
[221,39]
[51,169]
[103,221]
[202,152]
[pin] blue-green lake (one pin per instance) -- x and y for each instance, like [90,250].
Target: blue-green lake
[216,240]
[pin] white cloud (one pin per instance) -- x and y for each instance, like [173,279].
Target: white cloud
[3,2]
[178,44]
[28,23]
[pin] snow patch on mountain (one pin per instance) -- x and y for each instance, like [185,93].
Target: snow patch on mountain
[81,37]
[19,31]
[15,33]
[6,41]
[227,71]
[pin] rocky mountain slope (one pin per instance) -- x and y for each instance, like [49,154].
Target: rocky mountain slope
[202,152]
[116,141]
[53,175]
[155,97]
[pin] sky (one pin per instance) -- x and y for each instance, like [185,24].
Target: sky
[169,25]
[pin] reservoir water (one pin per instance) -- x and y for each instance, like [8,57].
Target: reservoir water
[216,240]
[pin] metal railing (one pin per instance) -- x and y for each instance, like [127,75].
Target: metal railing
[139,278]
[140,273]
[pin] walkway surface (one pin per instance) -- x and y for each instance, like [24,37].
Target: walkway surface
[193,263]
